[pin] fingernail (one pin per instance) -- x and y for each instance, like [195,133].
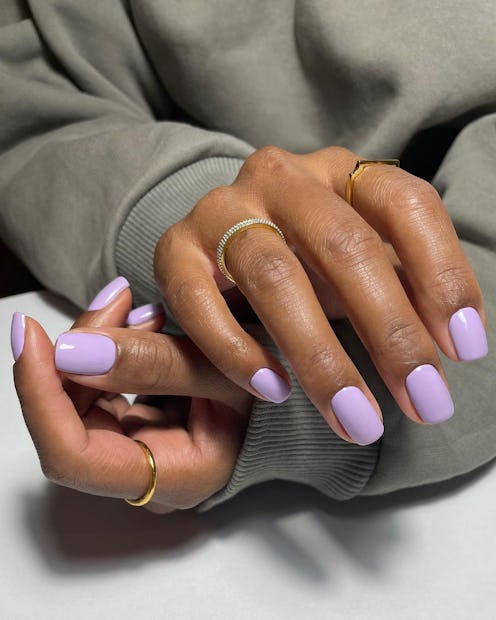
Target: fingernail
[84,354]
[270,385]
[429,394]
[144,313]
[468,334]
[17,329]
[109,293]
[356,414]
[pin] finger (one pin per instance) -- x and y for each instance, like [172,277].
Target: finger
[335,241]
[408,212]
[188,280]
[193,464]
[150,317]
[118,360]
[110,307]
[285,301]
[447,295]
[95,461]
[48,411]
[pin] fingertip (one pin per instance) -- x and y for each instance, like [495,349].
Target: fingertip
[150,317]
[28,338]
[17,331]
[34,371]
[109,293]
[112,306]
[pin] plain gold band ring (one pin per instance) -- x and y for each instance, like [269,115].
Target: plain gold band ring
[360,166]
[152,485]
[228,236]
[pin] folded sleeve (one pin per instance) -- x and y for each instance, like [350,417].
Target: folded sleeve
[86,131]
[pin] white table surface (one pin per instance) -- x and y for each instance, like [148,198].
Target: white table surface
[276,551]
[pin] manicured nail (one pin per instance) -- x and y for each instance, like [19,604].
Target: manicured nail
[17,330]
[270,385]
[468,334]
[429,394]
[144,313]
[84,354]
[356,414]
[109,293]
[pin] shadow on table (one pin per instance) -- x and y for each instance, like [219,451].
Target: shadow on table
[78,533]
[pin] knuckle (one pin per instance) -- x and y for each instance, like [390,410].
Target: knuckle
[323,359]
[158,360]
[352,241]
[419,196]
[57,471]
[399,340]
[232,354]
[215,198]
[451,284]
[267,161]
[269,271]
[166,247]
[185,294]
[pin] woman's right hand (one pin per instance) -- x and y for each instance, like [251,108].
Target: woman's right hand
[344,249]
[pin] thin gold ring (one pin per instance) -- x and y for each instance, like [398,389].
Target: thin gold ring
[360,166]
[152,485]
[228,236]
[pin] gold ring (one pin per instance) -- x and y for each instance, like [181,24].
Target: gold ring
[152,485]
[359,168]
[227,238]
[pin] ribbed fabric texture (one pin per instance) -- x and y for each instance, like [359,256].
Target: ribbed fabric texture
[290,441]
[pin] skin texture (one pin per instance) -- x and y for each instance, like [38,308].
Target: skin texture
[84,435]
[392,264]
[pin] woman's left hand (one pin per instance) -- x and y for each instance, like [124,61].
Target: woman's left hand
[85,435]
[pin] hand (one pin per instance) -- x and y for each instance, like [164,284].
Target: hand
[84,435]
[344,249]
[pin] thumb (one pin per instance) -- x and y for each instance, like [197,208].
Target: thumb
[47,409]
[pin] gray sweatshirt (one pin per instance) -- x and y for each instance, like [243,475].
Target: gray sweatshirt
[117,116]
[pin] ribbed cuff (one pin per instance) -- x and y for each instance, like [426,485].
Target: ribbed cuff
[164,205]
[292,441]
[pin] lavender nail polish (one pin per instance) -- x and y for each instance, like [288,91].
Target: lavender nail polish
[109,293]
[356,414]
[144,313]
[468,334]
[17,330]
[429,394]
[270,385]
[84,354]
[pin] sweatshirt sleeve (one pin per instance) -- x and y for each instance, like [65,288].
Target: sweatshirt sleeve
[86,130]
